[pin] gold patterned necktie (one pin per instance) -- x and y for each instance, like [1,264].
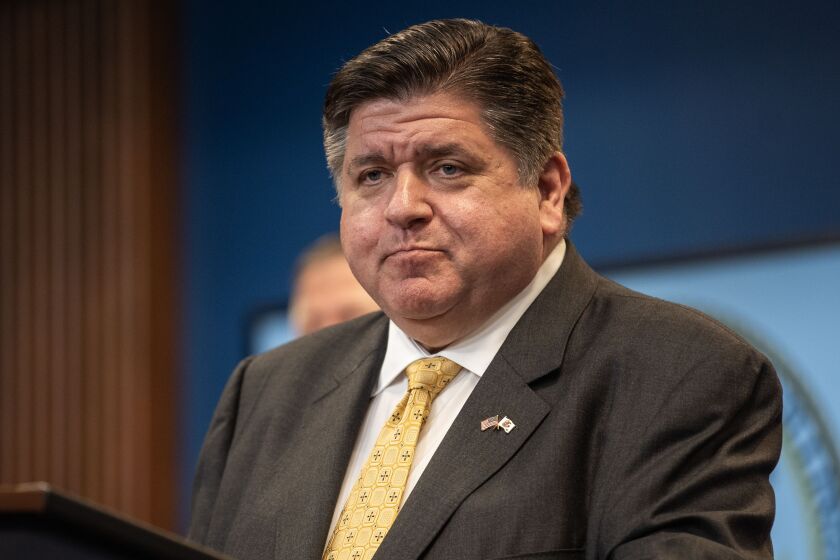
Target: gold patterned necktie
[376,497]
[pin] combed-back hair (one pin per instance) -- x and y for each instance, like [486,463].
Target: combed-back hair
[503,71]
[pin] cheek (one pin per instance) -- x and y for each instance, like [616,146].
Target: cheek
[500,225]
[358,238]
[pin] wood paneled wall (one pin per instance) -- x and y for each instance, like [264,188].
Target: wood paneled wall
[87,247]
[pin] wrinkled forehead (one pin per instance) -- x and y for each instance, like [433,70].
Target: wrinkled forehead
[456,96]
[419,121]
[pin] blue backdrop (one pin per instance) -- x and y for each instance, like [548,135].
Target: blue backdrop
[690,127]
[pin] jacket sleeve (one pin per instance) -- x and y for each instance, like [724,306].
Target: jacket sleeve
[213,456]
[694,479]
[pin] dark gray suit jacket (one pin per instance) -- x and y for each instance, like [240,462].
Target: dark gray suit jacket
[643,430]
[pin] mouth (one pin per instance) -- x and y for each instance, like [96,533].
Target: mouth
[412,252]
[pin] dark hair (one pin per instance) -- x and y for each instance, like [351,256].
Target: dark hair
[501,70]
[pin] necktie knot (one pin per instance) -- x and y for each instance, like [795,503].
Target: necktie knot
[431,374]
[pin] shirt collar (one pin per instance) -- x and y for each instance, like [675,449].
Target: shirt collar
[477,350]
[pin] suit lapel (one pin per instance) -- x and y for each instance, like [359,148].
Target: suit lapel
[467,456]
[311,478]
[465,459]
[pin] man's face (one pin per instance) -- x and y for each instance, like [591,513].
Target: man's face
[435,223]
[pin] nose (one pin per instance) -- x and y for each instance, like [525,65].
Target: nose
[409,204]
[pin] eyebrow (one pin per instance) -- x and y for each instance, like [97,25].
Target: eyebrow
[424,151]
[443,150]
[366,159]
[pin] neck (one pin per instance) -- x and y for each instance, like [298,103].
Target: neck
[434,335]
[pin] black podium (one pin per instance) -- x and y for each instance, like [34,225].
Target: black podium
[39,523]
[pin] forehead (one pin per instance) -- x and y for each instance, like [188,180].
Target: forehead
[438,116]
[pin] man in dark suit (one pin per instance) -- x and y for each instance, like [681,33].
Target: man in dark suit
[576,419]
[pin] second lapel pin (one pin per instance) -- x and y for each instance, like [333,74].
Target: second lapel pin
[506,424]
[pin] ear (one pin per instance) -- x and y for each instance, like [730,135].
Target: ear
[554,183]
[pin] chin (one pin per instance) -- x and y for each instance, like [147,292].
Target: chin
[418,298]
[417,310]
[418,306]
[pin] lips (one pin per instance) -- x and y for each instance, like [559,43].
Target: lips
[412,251]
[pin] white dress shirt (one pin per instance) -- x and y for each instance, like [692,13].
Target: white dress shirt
[474,353]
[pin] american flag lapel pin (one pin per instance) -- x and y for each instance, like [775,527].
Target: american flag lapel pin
[491,422]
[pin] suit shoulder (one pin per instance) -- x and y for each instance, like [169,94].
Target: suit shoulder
[306,356]
[669,329]
[285,376]
[646,316]
[660,360]
[342,337]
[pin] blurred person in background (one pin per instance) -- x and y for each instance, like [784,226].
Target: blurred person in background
[324,290]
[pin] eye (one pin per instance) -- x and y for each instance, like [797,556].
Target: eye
[371,176]
[448,170]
